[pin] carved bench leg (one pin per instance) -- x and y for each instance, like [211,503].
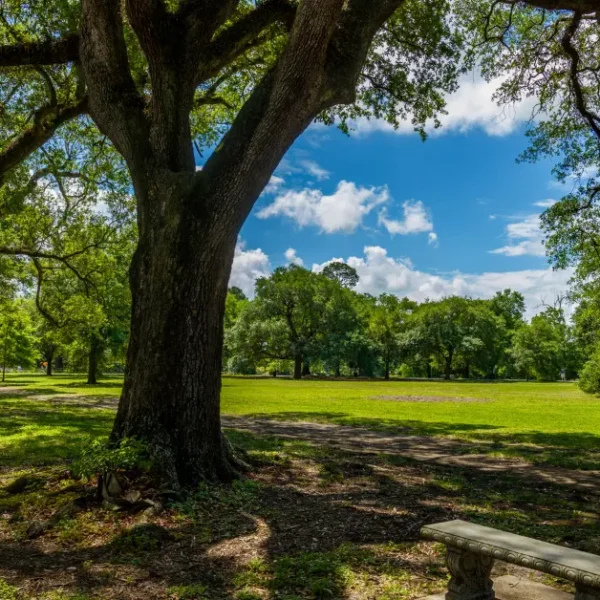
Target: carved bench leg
[583,592]
[470,576]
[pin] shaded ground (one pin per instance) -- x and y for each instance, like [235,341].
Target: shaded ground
[430,399]
[314,521]
[440,451]
[330,512]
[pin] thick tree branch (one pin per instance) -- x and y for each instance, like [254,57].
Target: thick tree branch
[115,103]
[46,122]
[231,43]
[38,294]
[46,52]
[583,6]
[592,119]
[279,109]
[350,44]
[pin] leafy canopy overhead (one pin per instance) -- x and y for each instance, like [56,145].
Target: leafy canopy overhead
[411,64]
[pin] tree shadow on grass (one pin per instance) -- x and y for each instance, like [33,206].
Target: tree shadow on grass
[92,386]
[36,436]
[314,522]
[570,450]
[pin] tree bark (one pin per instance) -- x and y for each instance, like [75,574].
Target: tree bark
[49,359]
[387,371]
[92,377]
[297,367]
[447,366]
[171,392]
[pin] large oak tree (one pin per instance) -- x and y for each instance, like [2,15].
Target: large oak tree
[159,77]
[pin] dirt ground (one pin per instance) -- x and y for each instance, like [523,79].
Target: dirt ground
[328,512]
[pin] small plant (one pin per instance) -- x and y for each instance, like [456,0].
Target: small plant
[98,457]
[192,591]
[248,595]
[143,538]
[7,591]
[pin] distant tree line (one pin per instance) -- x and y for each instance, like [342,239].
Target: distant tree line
[301,323]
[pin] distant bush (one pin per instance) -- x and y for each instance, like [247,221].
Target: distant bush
[589,379]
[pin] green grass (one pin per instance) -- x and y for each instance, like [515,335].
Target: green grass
[43,421]
[312,521]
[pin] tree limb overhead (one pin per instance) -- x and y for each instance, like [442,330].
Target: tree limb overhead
[46,52]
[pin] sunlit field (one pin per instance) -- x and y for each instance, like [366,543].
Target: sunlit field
[42,418]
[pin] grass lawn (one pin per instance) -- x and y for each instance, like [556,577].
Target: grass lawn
[542,422]
[312,521]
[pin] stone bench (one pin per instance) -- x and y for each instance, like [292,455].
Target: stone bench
[473,548]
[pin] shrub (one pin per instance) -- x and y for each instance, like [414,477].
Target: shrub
[589,379]
[99,458]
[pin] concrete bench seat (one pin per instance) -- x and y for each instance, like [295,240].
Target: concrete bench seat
[473,548]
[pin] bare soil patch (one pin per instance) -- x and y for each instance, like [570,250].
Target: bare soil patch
[430,399]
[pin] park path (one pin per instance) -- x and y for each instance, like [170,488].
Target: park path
[434,450]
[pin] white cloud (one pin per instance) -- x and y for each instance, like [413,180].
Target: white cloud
[343,211]
[416,219]
[526,237]
[380,273]
[471,106]
[248,266]
[312,168]
[545,203]
[432,239]
[274,185]
[295,166]
[293,258]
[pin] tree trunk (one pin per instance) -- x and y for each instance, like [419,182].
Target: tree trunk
[337,371]
[171,393]
[49,359]
[297,367]
[467,371]
[387,371]
[4,366]
[447,367]
[429,370]
[92,378]
[305,368]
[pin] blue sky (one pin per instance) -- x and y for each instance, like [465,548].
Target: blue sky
[454,214]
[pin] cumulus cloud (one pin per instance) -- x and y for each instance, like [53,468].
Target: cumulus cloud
[416,219]
[471,106]
[342,211]
[526,238]
[274,185]
[293,258]
[248,266]
[295,165]
[432,239]
[380,273]
[545,203]
[313,169]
